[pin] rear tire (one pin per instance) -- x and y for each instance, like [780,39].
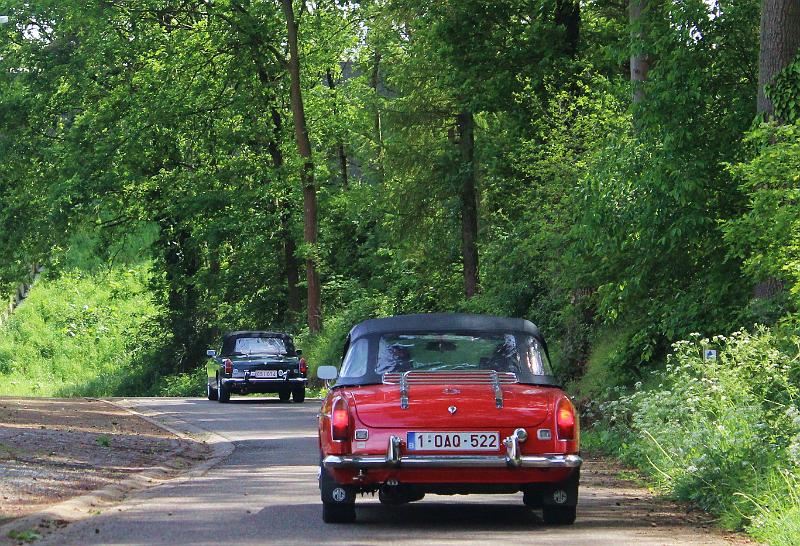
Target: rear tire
[223,394]
[338,513]
[338,501]
[299,395]
[284,396]
[559,515]
[211,393]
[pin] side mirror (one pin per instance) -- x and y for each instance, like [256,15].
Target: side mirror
[327,373]
[211,352]
[298,352]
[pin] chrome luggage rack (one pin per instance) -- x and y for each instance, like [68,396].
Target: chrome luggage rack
[471,377]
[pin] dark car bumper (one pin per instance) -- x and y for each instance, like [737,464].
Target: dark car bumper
[263,385]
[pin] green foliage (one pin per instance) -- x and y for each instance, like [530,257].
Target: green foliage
[79,333]
[30,535]
[183,384]
[784,92]
[777,512]
[325,349]
[767,236]
[654,195]
[722,433]
[89,327]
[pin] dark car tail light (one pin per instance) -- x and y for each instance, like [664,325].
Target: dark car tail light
[228,365]
[565,420]
[303,366]
[340,420]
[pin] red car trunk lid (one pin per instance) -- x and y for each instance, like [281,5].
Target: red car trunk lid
[430,406]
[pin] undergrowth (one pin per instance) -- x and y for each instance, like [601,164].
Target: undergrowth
[77,334]
[721,433]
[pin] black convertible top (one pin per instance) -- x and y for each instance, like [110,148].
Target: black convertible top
[229,339]
[438,323]
[443,322]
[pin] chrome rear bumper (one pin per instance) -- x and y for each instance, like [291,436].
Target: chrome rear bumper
[264,380]
[512,459]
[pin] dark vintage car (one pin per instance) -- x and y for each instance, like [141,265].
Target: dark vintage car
[447,404]
[256,362]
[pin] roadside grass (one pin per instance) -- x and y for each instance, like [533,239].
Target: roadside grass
[188,384]
[722,434]
[777,517]
[29,536]
[77,333]
[90,326]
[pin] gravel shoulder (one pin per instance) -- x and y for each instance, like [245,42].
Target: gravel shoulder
[52,450]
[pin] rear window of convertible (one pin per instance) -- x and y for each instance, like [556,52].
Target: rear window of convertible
[521,354]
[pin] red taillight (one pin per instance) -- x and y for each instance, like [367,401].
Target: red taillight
[303,366]
[228,365]
[340,420]
[565,420]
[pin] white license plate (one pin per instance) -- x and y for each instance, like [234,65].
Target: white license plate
[265,373]
[453,441]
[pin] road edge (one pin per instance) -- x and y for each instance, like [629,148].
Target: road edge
[85,506]
[221,447]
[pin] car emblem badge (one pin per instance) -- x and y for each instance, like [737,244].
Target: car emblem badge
[339,494]
[452,409]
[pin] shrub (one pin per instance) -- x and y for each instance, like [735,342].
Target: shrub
[184,384]
[720,433]
[325,348]
[78,334]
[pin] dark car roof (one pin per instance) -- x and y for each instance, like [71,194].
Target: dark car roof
[443,322]
[253,333]
[229,339]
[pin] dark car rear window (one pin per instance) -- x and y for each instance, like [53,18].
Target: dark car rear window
[253,345]
[520,353]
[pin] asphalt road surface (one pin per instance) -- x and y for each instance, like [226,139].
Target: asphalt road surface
[266,492]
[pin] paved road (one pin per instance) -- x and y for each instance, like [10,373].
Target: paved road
[266,492]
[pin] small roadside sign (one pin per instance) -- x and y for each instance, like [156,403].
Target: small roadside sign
[710,354]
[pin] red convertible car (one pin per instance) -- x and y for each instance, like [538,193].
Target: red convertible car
[447,404]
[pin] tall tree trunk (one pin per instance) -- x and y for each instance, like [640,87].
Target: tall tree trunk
[339,142]
[640,63]
[284,212]
[780,41]
[469,203]
[306,171]
[568,15]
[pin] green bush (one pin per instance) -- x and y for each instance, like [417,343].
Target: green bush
[325,348]
[767,236]
[184,384]
[79,334]
[724,433]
